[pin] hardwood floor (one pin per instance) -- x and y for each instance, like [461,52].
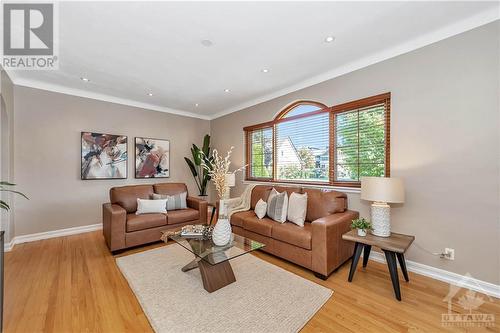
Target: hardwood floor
[72,284]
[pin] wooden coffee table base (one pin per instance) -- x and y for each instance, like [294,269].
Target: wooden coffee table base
[214,277]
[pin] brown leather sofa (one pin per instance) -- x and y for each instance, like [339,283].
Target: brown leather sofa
[318,245]
[122,228]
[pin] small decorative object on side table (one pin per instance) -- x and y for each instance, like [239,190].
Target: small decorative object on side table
[361,225]
[393,246]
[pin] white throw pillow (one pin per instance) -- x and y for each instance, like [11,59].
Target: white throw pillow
[297,208]
[277,206]
[151,206]
[261,209]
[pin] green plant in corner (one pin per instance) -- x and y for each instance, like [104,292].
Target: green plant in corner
[361,224]
[3,188]
[200,174]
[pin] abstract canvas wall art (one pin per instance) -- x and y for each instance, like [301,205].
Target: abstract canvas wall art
[152,158]
[104,156]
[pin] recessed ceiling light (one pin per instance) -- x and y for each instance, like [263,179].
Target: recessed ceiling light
[227,90]
[197,105]
[150,94]
[329,39]
[265,70]
[84,79]
[207,42]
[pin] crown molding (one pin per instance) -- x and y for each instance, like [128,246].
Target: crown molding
[97,96]
[454,29]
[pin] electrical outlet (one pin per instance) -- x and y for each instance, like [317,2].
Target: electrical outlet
[449,253]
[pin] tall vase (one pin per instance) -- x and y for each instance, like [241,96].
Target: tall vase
[221,235]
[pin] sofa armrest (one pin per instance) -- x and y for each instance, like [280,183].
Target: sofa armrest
[199,205]
[329,250]
[114,222]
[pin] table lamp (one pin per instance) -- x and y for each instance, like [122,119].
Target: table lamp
[229,182]
[382,190]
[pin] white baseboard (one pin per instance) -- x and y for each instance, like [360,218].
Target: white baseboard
[51,234]
[8,246]
[462,281]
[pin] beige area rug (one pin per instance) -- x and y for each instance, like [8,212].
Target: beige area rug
[264,298]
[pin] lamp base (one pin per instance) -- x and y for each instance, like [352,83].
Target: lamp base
[381,219]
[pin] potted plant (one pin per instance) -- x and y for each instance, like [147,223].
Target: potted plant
[362,225]
[201,157]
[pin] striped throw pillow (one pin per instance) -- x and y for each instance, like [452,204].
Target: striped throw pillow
[176,201]
[277,206]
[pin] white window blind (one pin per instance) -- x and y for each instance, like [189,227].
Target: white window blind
[360,143]
[261,153]
[302,148]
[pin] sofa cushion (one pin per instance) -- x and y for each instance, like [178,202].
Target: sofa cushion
[259,192]
[321,203]
[170,188]
[237,218]
[293,234]
[145,221]
[182,215]
[262,227]
[277,206]
[126,196]
[289,189]
[176,201]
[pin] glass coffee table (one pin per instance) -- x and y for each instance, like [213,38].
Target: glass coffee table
[213,261]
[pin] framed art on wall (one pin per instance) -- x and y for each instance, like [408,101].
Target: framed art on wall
[152,158]
[104,156]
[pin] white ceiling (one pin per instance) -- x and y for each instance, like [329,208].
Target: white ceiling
[128,49]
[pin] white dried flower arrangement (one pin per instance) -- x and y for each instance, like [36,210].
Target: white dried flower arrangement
[218,168]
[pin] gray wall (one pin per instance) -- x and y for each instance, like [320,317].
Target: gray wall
[444,144]
[47,158]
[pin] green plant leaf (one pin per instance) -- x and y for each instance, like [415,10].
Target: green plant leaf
[206,145]
[4,205]
[191,166]
[195,151]
[16,192]
[7,184]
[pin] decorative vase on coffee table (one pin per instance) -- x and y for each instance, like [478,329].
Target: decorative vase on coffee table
[221,234]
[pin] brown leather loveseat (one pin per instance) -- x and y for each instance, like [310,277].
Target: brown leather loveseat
[318,245]
[122,228]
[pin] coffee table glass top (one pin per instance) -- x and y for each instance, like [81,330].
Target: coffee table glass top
[213,254]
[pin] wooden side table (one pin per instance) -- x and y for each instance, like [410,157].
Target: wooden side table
[393,246]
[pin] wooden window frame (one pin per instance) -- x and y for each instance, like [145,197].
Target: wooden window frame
[333,110]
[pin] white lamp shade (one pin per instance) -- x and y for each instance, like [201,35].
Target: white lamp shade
[230,180]
[382,189]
